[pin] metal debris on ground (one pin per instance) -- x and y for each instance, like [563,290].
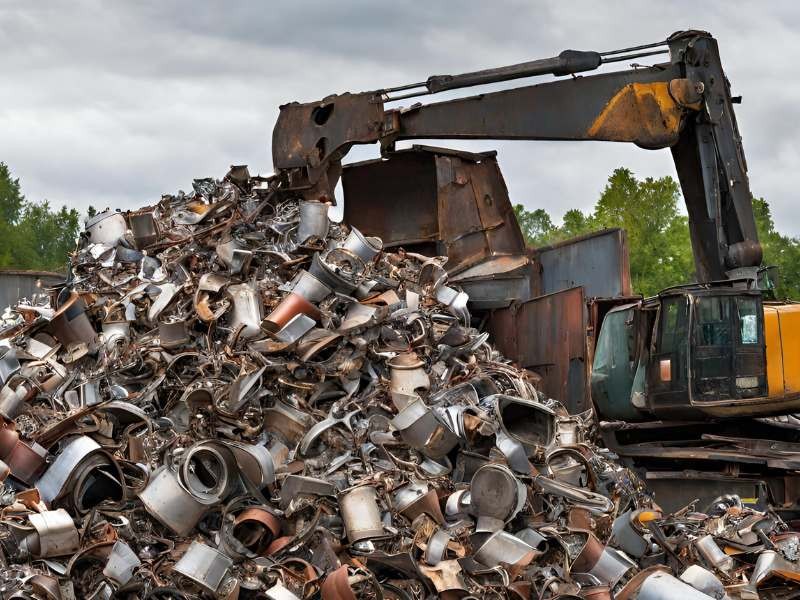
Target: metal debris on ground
[232,396]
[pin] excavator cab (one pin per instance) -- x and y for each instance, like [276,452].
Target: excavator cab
[692,351]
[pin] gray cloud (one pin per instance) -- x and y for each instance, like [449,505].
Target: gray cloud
[112,104]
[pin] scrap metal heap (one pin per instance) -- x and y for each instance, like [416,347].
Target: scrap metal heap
[234,397]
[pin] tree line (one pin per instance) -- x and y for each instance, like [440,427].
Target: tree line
[34,235]
[658,234]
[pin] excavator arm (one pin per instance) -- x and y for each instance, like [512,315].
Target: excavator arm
[684,104]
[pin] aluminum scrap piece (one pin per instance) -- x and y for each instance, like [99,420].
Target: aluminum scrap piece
[205,566]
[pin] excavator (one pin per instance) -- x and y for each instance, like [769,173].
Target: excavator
[707,372]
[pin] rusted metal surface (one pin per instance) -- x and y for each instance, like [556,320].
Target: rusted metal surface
[449,203]
[548,335]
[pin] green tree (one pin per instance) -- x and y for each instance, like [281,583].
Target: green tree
[779,250]
[32,234]
[658,235]
[536,225]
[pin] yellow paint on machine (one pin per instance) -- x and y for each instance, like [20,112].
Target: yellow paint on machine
[643,113]
[782,337]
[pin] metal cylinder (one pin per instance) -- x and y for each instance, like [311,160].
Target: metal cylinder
[361,514]
[170,503]
[713,554]
[314,221]
[327,275]
[206,566]
[310,287]
[209,472]
[365,248]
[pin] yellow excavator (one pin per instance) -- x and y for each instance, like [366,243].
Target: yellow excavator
[688,374]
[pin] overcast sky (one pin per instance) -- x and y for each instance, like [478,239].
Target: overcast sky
[113,104]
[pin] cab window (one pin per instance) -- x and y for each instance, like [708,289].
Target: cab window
[748,320]
[713,321]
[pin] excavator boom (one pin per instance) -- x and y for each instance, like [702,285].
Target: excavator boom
[684,104]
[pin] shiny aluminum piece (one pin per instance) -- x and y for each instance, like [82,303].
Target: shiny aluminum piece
[330,277]
[361,514]
[606,564]
[279,592]
[713,554]
[627,535]
[168,293]
[173,334]
[421,429]
[318,429]
[298,485]
[408,377]
[771,563]
[13,396]
[144,228]
[503,548]
[121,563]
[206,566]
[106,228]
[436,548]
[236,258]
[416,498]
[526,421]
[9,365]
[365,248]
[310,288]
[255,462]
[170,503]
[358,316]
[455,301]
[116,332]
[246,312]
[704,581]
[51,484]
[57,534]
[296,328]
[663,586]
[314,221]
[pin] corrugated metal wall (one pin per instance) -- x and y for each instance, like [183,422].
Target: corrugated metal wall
[23,284]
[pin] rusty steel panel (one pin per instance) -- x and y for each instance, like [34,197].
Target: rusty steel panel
[548,336]
[394,199]
[598,262]
[457,200]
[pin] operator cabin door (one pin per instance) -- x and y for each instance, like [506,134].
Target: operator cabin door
[668,372]
[728,359]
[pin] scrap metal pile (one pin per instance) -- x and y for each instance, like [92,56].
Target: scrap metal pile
[234,397]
